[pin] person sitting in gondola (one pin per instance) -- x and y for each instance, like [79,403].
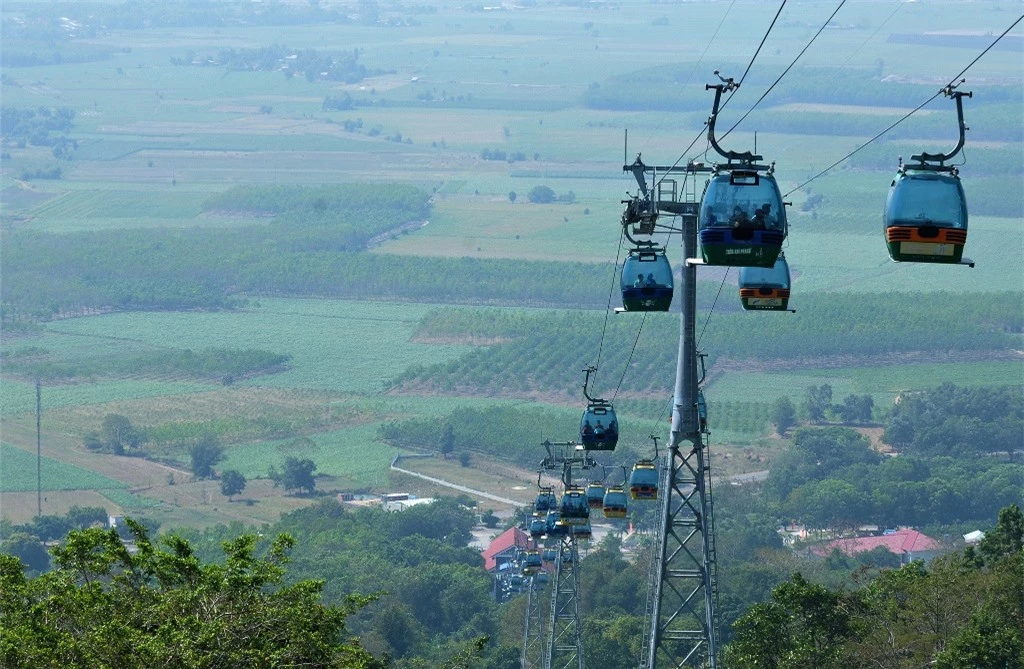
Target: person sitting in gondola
[599,430]
[740,219]
[759,219]
[709,217]
[639,283]
[588,429]
[613,428]
[650,282]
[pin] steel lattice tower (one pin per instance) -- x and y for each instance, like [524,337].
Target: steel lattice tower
[683,620]
[533,632]
[565,641]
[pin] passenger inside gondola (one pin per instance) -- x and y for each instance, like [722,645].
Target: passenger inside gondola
[588,429]
[740,219]
[639,283]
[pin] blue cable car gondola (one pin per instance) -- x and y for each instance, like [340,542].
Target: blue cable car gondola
[546,501]
[532,562]
[595,495]
[549,555]
[926,210]
[614,503]
[554,524]
[765,288]
[583,531]
[574,508]
[742,219]
[538,526]
[646,280]
[643,481]
[599,428]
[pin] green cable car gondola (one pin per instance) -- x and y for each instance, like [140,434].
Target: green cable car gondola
[765,288]
[646,280]
[614,503]
[925,215]
[643,481]
[595,494]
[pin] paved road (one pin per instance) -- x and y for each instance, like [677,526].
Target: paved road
[460,488]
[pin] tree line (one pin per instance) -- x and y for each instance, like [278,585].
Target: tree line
[831,478]
[221,364]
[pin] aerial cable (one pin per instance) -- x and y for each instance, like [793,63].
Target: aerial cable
[909,114]
[703,130]
[784,72]
[758,51]
[696,65]
[708,319]
[899,5]
[630,358]
[608,307]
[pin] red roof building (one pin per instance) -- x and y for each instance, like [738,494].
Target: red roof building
[504,547]
[908,544]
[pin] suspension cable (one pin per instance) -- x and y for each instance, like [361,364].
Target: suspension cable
[630,358]
[608,306]
[909,114]
[682,156]
[713,304]
[786,71]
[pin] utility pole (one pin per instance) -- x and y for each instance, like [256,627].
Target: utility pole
[39,448]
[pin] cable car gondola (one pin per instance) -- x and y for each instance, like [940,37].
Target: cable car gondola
[538,526]
[574,508]
[595,495]
[554,524]
[646,280]
[614,504]
[583,531]
[599,429]
[532,562]
[643,481]
[765,289]
[926,209]
[742,219]
[546,501]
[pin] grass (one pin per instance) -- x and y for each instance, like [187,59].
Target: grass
[336,345]
[18,397]
[353,454]
[18,473]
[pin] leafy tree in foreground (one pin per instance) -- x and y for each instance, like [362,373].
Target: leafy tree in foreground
[103,606]
[232,482]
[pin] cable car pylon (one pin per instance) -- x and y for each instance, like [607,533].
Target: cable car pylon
[564,629]
[533,630]
[683,623]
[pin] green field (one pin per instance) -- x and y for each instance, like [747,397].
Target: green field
[336,345]
[17,397]
[352,454]
[155,140]
[18,473]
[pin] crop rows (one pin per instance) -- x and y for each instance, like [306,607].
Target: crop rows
[18,469]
